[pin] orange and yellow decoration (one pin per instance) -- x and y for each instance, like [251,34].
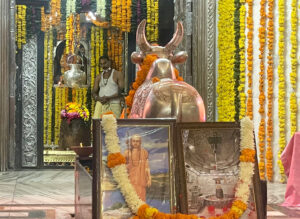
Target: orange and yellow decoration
[249,109]
[152,20]
[116,161]
[270,73]
[121,14]
[262,97]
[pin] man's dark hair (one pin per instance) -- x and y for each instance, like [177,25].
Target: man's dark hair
[104,57]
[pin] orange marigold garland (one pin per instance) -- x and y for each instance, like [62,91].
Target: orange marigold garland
[249,108]
[270,36]
[261,132]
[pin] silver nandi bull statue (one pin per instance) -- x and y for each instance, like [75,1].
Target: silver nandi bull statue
[168,98]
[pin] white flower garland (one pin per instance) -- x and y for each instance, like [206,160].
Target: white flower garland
[120,174]
[101,8]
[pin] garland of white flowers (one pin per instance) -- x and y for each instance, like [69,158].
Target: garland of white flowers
[70,7]
[120,175]
[101,8]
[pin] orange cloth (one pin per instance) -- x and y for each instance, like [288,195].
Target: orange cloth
[138,169]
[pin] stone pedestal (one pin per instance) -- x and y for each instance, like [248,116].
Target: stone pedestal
[73,133]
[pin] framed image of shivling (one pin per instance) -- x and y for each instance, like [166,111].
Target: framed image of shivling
[147,146]
[209,170]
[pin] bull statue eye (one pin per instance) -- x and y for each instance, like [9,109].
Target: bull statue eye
[179,57]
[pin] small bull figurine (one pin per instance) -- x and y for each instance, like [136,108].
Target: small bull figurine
[168,98]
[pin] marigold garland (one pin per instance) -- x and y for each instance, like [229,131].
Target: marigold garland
[249,109]
[237,59]
[21,25]
[225,84]
[261,131]
[143,211]
[152,20]
[93,65]
[270,36]
[241,88]
[281,87]
[50,88]
[294,64]
[46,98]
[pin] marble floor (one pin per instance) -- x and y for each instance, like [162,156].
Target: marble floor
[49,194]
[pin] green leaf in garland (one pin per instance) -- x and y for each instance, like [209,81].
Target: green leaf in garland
[133,15]
[237,59]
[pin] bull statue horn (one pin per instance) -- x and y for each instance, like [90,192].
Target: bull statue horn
[141,40]
[176,40]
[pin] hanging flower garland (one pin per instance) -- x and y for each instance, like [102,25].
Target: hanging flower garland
[49,86]
[241,88]
[281,94]
[225,84]
[58,100]
[152,20]
[21,25]
[294,63]
[270,36]
[93,65]
[101,8]
[117,163]
[261,131]
[237,59]
[249,108]
[46,97]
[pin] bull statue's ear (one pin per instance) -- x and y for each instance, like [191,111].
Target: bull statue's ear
[179,57]
[137,57]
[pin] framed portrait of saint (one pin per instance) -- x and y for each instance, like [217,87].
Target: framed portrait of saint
[209,158]
[147,146]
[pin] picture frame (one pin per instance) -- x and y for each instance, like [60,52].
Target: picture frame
[153,162]
[208,158]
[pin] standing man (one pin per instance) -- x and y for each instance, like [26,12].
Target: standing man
[107,89]
[138,166]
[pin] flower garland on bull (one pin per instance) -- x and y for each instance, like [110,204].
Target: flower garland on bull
[270,37]
[225,83]
[141,76]
[282,87]
[249,108]
[117,163]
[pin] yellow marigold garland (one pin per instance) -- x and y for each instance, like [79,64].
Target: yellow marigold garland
[225,85]
[261,131]
[152,20]
[242,60]
[21,25]
[249,112]
[270,36]
[281,87]
[294,63]
[46,98]
[93,65]
[50,83]
[116,161]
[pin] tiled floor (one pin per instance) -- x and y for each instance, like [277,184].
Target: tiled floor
[49,194]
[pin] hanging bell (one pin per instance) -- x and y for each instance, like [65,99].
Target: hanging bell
[75,77]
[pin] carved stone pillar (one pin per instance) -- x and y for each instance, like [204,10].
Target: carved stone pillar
[29,103]
[199,20]
[4,83]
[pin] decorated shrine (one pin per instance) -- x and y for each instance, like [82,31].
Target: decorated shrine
[168,109]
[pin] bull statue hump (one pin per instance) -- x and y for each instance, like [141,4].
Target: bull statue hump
[167,98]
